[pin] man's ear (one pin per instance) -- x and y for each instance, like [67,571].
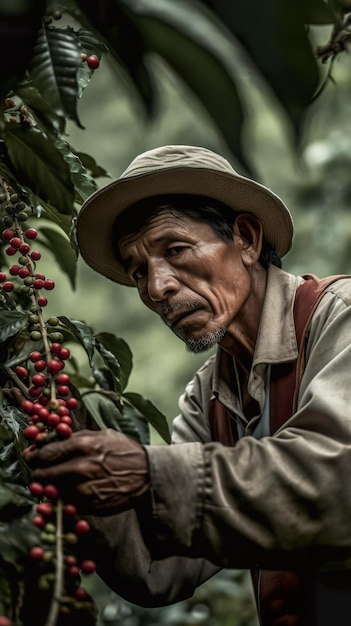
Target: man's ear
[249,232]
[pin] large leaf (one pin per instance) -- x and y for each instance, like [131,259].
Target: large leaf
[274,34]
[40,166]
[83,182]
[54,67]
[63,252]
[121,351]
[84,334]
[151,414]
[197,46]
[11,322]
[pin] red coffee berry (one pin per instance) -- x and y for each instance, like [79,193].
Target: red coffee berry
[40,365]
[38,380]
[70,509]
[4,621]
[56,348]
[81,594]
[21,371]
[24,248]
[10,251]
[84,56]
[49,284]
[36,553]
[8,286]
[23,272]
[51,492]
[35,356]
[7,234]
[63,379]
[45,508]
[14,269]
[35,392]
[93,62]
[42,301]
[27,406]
[54,367]
[88,566]
[15,242]
[3,276]
[66,419]
[38,521]
[73,570]
[31,233]
[42,411]
[62,390]
[38,275]
[53,419]
[64,354]
[38,283]
[62,410]
[30,432]
[35,255]
[82,526]
[72,403]
[37,489]
[64,430]
[70,559]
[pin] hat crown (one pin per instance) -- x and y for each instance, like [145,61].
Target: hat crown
[170,156]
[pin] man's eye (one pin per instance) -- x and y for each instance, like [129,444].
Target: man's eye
[139,273]
[175,250]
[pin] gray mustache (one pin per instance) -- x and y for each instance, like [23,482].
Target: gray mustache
[185,305]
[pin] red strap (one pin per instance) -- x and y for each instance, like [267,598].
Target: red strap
[286,377]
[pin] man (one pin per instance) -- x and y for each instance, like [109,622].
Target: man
[202,245]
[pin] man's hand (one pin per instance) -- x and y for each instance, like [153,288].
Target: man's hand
[102,472]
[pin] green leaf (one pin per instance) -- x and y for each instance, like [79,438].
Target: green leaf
[151,413]
[112,363]
[189,38]
[40,166]
[274,35]
[84,334]
[63,252]
[107,415]
[11,322]
[91,165]
[41,109]
[83,182]
[121,351]
[54,67]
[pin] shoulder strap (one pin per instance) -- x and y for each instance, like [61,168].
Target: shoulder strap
[285,378]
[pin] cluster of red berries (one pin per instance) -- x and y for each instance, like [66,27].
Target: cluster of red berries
[92,61]
[45,520]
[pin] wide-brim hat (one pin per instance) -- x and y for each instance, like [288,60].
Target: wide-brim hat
[175,169]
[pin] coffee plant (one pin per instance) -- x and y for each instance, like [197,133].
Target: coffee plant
[44,543]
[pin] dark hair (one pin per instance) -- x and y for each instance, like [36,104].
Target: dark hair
[218,215]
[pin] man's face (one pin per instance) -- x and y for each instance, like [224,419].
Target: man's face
[194,281]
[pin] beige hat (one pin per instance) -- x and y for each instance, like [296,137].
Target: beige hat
[175,169]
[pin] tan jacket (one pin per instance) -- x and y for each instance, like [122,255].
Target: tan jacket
[273,502]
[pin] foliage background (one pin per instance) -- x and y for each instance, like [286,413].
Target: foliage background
[314,184]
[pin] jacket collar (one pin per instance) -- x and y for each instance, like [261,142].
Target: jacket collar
[276,339]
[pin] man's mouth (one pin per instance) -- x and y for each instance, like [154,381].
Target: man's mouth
[176,314]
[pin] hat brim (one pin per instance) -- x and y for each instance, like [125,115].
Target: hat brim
[99,212]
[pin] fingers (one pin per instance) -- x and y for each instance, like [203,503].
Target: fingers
[81,443]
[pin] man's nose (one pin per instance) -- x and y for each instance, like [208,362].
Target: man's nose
[161,282]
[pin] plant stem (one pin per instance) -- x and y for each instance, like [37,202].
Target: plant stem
[59,569]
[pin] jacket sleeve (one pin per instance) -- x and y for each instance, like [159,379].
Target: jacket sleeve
[279,502]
